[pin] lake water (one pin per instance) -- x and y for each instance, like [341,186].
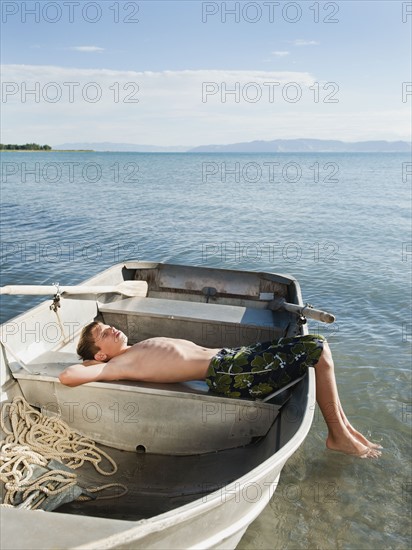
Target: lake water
[340,223]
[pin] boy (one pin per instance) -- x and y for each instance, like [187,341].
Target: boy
[249,371]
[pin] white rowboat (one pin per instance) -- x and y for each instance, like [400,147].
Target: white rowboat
[199,468]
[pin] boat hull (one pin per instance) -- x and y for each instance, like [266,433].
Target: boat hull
[234,465]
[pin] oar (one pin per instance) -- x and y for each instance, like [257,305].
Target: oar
[127,288]
[307,311]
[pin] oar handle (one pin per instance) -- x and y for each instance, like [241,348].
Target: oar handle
[127,288]
[306,311]
[46,290]
[32,290]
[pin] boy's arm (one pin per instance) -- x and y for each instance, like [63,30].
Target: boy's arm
[89,362]
[90,371]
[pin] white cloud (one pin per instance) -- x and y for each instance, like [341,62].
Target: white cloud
[301,42]
[87,49]
[280,53]
[49,104]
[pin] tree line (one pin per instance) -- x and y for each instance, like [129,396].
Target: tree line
[27,147]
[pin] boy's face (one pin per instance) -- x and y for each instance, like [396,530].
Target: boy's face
[110,341]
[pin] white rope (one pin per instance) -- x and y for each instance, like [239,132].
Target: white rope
[33,439]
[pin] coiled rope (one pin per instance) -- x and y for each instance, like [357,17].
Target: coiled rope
[32,439]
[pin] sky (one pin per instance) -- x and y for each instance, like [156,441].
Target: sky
[188,73]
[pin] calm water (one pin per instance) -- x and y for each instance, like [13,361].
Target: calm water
[340,223]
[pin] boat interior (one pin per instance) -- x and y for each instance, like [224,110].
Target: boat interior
[173,443]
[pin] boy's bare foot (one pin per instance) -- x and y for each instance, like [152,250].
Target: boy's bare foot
[351,446]
[362,439]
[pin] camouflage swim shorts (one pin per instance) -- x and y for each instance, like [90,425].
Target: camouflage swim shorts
[260,369]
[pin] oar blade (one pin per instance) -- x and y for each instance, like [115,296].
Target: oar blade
[133,288]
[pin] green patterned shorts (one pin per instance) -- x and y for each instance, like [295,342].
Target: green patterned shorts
[260,369]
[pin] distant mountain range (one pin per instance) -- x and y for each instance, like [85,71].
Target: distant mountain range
[307,146]
[275,146]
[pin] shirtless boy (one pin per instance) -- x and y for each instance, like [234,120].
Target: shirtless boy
[250,371]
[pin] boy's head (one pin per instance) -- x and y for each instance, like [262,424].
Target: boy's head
[100,342]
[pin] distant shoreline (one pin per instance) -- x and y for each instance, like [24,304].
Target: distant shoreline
[49,151]
[300,145]
[277,146]
[208,152]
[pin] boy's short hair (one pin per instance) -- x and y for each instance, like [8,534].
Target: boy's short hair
[87,347]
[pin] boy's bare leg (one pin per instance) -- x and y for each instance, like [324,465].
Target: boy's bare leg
[355,432]
[342,436]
